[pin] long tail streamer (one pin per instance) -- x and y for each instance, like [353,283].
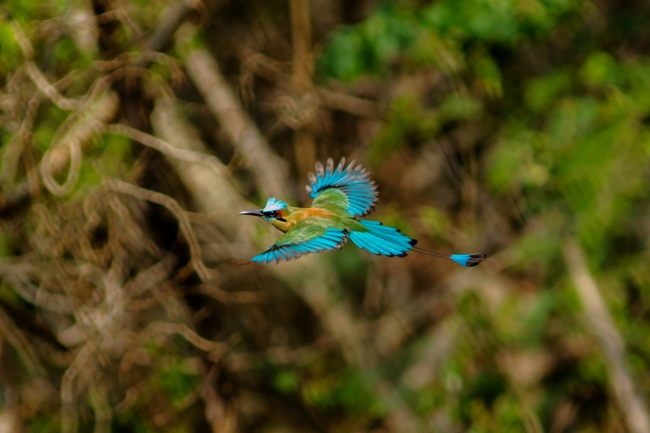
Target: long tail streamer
[467,260]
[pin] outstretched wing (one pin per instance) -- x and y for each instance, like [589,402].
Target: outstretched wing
[306,237]
[348,187]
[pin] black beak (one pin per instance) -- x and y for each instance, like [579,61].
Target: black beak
[253,212]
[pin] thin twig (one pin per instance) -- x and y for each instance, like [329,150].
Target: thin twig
[15,146]
[78,132]
[176,210]
[61,189]
[98,398]
[189,335]
[170,20]
[37,76]
[166,148]
[13,334]
[80,365]
[612,344]
[348,103]
[227,297]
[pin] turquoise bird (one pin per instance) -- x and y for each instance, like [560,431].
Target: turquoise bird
[342,195]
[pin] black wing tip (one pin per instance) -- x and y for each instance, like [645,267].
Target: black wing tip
[370,209]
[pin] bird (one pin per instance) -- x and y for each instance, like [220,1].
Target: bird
[342,196]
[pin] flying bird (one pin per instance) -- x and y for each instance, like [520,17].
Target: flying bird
[342,195]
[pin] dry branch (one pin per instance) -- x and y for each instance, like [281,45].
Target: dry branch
[209,181]
[612,344]
[68,148]
[12,334]
[170,328]
[178,212]
[166,148]
[304,146]
[348,103]
[210,185]
[35,74]
[170,20]
[269,171]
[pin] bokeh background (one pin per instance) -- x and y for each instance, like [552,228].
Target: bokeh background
[133,132]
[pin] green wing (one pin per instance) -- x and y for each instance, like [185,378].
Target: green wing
[308,236]
[332,197]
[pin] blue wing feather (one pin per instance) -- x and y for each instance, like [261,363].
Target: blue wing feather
[286,248]
[354,182]
[382,240]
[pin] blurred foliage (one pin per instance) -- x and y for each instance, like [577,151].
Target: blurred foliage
[509,126]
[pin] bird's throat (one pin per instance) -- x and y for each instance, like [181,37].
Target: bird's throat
[283,226]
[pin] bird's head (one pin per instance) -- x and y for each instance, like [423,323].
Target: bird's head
[275,210]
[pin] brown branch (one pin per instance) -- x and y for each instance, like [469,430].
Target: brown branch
[221,417]
[15,147]
[71,142]
[75,156]
[612,344]
[303,69]
[269,170]
[35,74]
[209,189]
[98,399]
[12,334]
[176,210]
[169,328]
[227,297]
[348,103]
[81,365]
[166,148]
[170,20]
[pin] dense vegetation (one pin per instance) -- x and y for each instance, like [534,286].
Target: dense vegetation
[132,133]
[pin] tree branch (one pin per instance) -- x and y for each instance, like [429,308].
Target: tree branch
[612,344]
[269,170]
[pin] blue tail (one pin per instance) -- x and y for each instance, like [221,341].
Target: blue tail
[381,239]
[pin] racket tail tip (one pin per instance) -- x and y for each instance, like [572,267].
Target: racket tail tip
[468,260]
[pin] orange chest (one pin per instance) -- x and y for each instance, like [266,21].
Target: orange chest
[313,211]
[290,221]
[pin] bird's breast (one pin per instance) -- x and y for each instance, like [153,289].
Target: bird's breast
[291,220]
[314,211]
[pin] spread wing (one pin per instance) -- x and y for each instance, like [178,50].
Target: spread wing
[306,237]
[348,187]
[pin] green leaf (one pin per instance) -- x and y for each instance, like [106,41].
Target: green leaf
[600,69]
[543,92]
